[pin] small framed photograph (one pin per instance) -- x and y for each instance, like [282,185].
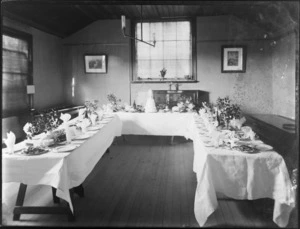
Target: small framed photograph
[95,63]
[233,58]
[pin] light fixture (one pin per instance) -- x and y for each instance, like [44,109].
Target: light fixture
[123,20]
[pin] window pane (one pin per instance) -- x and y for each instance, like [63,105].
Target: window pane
[156,67]
[170,65]
[143,67]
[183,50]
[157,29]
[14,62]
[183,68]
[169,31]
[183,31]
[15,44]
[143,51]
[157,52]
[170,50]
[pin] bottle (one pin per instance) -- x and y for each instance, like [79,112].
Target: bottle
[134,105]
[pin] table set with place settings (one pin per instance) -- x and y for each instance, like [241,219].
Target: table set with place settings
[248,170]
[232,162]
[63,165]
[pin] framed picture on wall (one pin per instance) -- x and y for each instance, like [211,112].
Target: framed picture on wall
[95,63]
[233,58]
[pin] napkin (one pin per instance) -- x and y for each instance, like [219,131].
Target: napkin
[93,118]
[100,114]
[84,124]
[27,128]
[237,123]
[10,141]
[81,113]
[108,108]
[248,132]
[65,117]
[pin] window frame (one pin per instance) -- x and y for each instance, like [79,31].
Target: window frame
[194,52]
[28,38]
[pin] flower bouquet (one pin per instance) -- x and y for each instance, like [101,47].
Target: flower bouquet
[114,102]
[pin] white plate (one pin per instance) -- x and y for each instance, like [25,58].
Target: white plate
[104,121]
[66,148]
[83,136]
[263,147]
[94,127]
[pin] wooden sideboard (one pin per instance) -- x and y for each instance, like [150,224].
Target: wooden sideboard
[171,97]
[270,129]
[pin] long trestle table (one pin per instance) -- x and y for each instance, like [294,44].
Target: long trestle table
[236,174]
[61,170]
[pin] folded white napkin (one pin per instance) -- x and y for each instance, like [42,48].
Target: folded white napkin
[65,117]
[248,132]
[100,114]
[27,128]
[93,118]
[108,108]
[81,113]
[84,124]
[10,141]
[237,123]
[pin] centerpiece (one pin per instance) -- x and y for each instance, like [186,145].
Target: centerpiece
[114,103]
[163,72]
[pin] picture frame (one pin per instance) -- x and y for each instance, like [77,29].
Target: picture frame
[95,63]
[233,58]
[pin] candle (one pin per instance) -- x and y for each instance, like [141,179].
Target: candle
[123,21]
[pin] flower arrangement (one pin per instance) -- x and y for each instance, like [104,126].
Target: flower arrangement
[161,106]
[140,108]
[163,73]
[115,102]
[43,122]
[91,106]
[227,111]
[185,104]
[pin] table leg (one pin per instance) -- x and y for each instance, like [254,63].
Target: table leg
[20,200]
[79,190]
[56,200]
[20,209]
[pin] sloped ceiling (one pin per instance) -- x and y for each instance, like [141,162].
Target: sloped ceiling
[65,17]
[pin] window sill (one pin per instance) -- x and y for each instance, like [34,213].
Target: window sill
[163,81]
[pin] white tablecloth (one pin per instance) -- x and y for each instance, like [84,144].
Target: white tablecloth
[240,175]
[164,124]
[236,174]
[60,170]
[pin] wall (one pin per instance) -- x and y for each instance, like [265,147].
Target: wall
[47,65]
[47,74]
[284,76]
[251,89]
[100,37]
[254,90]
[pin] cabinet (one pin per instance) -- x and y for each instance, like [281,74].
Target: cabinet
[171,97]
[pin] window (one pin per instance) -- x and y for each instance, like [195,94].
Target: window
[173,51]
[16,71]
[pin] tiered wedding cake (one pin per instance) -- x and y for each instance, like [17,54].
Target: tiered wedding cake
[150,104]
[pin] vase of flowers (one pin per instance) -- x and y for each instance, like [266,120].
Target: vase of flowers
[114,102]
[163,72]
[227,111]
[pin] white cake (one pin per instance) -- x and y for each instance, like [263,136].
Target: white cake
[150,103]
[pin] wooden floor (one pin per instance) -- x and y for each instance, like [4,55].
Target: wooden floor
[141,182]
